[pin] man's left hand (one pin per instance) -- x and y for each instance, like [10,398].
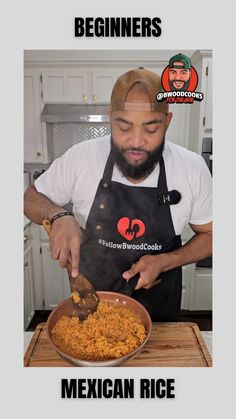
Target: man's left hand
[149,267]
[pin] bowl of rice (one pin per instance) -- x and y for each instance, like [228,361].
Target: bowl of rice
[116,332]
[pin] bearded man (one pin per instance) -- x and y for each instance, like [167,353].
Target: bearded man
[132,194]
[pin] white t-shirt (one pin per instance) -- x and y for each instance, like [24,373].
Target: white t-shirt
[75,177]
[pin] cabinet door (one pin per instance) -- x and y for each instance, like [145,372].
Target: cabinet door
[186,279]
[208,96]
[29,294]
[201,293]
[65,85]
[103,80]
[33,144]
[55,280]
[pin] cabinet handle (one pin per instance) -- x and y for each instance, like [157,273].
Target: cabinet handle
[94,97]
[26,264]
[39,153]
[85,97]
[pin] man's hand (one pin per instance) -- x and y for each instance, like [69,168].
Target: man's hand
[65,239]
[149,267]
[65,234]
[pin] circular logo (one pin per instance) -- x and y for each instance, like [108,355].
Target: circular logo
[192,83]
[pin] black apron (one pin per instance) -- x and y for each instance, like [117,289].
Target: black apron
[125,223]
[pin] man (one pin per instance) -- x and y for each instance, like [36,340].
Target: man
[179,72]
[132,196]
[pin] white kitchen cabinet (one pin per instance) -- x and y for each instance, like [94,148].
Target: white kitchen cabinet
[51,282]
[79,85]
[207,86]
[55,280]
[65,85]
[201,112]
[35,136]
[196,288]
[197,282]
[35,230]
[186,280]
[29,292]
[32,125]
[103,80]
[200,297]
[187,271]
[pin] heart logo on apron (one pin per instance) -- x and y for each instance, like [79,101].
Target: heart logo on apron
[130,228]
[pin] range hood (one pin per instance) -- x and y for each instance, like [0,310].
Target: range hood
[64,113]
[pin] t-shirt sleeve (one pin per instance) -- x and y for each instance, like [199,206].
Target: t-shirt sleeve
[57,182]
[202,195]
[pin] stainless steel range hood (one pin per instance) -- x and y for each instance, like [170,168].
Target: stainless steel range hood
[64,113]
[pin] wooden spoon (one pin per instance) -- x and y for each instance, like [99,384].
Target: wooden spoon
[83,294]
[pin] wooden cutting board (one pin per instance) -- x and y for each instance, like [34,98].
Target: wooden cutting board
[170,345]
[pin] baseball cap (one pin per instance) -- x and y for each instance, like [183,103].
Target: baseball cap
[180,58]
[149,80]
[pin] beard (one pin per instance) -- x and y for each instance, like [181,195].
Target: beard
[184,88]
[141,170]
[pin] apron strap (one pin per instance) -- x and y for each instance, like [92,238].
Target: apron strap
[162,182]
[107,174]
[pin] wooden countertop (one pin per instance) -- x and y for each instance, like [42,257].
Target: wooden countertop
[170,345]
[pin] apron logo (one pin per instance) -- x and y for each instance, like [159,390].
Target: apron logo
[130,229]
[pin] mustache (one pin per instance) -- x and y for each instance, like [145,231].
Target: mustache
[138,149]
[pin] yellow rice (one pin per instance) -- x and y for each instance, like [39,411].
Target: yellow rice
[75,297]
[110,332]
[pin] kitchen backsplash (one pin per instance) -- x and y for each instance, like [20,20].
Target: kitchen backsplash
[62,137]
[65,135]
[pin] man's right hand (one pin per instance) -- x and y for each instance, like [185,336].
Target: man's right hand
[65,240]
